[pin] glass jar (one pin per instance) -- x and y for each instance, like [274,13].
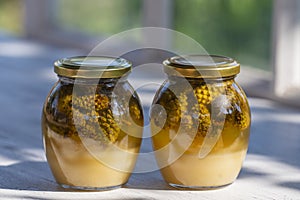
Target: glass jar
[200,122]
[92,123]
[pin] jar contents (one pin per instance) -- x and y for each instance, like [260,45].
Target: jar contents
[203,140]
[85,129]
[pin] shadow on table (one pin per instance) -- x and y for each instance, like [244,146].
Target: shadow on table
[275,134]
[29,175]
[148,181]
[248,173]
[154,181]
[36,176]
[291,185]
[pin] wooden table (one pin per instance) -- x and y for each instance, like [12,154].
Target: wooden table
[271,169]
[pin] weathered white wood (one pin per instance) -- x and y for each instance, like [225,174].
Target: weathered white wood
[271,169]
[157,13]
[286,49]
[36,17]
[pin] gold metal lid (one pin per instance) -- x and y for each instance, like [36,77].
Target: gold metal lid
[92,67]
[201,66]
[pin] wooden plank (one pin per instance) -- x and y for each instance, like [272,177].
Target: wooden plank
[271,169]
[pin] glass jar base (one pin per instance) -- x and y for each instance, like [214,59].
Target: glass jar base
[90,188]
[185,187]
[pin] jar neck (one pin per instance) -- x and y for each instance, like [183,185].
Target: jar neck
[87,81]
[199,80]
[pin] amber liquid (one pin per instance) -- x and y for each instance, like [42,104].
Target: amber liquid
[201,152]
[86,164]
[219,168]
[91,140]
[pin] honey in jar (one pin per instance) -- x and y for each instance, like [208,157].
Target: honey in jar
[92,123]
[200,122]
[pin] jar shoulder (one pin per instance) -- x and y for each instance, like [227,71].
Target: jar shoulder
[221,93]
[64,98]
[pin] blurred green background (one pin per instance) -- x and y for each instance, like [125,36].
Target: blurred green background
[11,14]
[240,29]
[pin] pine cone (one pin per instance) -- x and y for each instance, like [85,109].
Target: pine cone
[203,95]
[242,121]
[92,117]
[204,120]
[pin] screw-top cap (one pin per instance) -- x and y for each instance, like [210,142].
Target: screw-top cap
[92,67]
[201,66]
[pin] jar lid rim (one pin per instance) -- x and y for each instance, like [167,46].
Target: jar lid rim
[92,67]
[201,66]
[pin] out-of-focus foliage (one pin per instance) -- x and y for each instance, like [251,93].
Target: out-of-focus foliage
[237,28]
[99,16]
[240,29]
[11,13]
